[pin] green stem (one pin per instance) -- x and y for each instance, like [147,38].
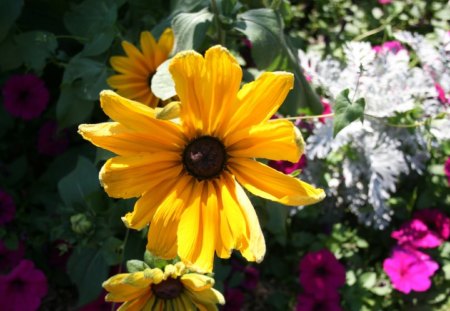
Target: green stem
[221,35]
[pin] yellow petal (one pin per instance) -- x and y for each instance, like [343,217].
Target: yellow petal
[273,140]
[128,66]
[136,56]
[260,99]
[120,291]
[268,183]
[149,47]
[140,118]
[150,303]
[206,298]
[197,282]
[131,176]
[137,304]
[166,41]
[162,236]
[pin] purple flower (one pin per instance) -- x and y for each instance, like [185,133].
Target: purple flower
[409,270]
[9,258]
[25,96]
[51,141]
[321,274]
[234,299]
[7,208]
[251,278]
[415,233]
[437,222]
[307,302]
[447,170]
[389,46]
[287,167]
[441,94]
[23,288]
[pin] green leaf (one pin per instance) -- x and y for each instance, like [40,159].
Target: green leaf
[78,184]
[190,29]
[9,12]
[112,250]
[91,17]
[92,76]
[163,85]
[71,109]
[368,279]
[99,42]
[345,112]
[183,6]
[35,47]
[88,269]
[11,57]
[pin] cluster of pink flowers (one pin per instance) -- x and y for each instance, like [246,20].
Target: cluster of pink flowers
[447,170]
[408,268]
[389,46]
[321,276]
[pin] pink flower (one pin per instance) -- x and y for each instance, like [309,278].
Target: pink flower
[437,222]
[7,208]
[441,94]
[447,170]
[410,270]
[234,300]
[326,110]
[384,1]
[287,167]
[415,233]
[51,141]
[25,96]
[389,46]
[307,302]
[23,288]
[321,274]
[9,258]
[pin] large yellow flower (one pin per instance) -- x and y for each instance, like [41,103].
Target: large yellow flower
[138,67]
[175,288]
[188,176]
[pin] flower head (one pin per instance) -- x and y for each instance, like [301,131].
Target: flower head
[321,274]
[25,96]
[188,176]
[7,208]
[23,288]
[9,258]
[136,70]
[153,289]
[409,270]
[389,46]
[415,233]
[308,302]
[287,167]
[437,222]
[447,170]
[50,140]
[441,94]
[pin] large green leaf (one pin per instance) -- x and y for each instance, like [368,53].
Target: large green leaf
[79,183]
[71,109]
[184,6]
[35,47]
[99,42]
[345,112]
[190,29]
[92,75]
[88,269]
[9,11]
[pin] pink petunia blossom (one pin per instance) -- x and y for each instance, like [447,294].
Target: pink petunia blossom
[409,270]
[25,96]
[7,208]
[51,141]
[384,1]
[287,167]
[441,94]
[306,302]
[326,110]
[23,288]
[437,222]
[447,170]
[389,46]
[416,233]
[321,274]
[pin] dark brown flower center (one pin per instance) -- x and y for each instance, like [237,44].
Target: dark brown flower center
[204,157]
[168,289]
[149,79]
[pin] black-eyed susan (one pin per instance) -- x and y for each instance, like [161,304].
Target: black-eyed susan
[175,288]
[188,176]
[136,70]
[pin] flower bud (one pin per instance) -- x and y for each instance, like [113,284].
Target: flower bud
[80,224]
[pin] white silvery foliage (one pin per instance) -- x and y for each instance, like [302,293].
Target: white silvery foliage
[376,155]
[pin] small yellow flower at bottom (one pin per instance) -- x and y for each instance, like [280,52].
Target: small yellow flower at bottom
[175,288]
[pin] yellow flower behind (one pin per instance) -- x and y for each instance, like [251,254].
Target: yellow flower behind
[188,176]
[136,70]
[175,288]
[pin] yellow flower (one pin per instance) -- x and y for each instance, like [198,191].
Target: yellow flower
[188,176]
[138,67]
[175,288]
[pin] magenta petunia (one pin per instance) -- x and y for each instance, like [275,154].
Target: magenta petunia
[9,258]
[384,1]
[251,278]
[416,233]
[306,302]
[7,208]
[25,96]
[321,274]
[437,222]
[326,110]
[441,94]
[52,141]
[287,167]
[389,46]
[23,288]
[410,270]
[447,170]
[234,299]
